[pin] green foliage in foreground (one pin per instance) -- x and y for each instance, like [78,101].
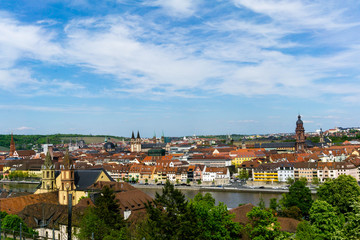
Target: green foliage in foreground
[104,220]
[172,217]
[298,196]
[340,192]
[263,225]
[327,223]
[13,222]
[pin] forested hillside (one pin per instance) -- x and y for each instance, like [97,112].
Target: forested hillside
[28,141]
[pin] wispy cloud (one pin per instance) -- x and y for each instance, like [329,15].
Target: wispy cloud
[177,8]
[223,55]
[23,128]
[243,121]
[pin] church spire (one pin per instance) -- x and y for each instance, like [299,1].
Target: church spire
[132,135]
[138,135]
[12,145]
[67,160]
[48,163]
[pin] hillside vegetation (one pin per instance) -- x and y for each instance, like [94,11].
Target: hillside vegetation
[28,141]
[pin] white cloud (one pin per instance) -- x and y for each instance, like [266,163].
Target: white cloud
[230,55]
[301,14]
[177,8]
[65,109]
[23,128]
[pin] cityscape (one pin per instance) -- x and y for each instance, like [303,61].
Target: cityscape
[179,120]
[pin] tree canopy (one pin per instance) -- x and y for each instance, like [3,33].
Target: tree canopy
[340,192]
[172,217]
[324,220]
[263,224]
[298,196]
[104,220]
[13,222]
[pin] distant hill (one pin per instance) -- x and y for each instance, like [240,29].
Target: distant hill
[4,149]
[29,141]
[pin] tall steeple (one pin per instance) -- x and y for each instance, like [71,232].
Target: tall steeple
[48,175]
[300,135]
[67,161]
[138,135]
[48,163]
[12,146]
[132,135]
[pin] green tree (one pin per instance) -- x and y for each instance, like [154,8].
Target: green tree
[324,220]
[13,222]
[146,180]
[300,196]
[303,179]
[261,204]
[315,181]
[204,220]
[199,181]
[164,214]
[290,180]
[104,218]
[263,225]
[340,192]
[292,212]
[305,231]
[351,228]
[274,205]
[243,174]
[187,181]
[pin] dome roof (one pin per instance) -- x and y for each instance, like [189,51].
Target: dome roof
[109,145]
[299,121]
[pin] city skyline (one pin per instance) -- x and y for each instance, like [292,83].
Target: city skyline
[179,66]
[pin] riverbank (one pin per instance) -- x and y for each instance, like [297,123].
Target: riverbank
[20,181]
[220,189]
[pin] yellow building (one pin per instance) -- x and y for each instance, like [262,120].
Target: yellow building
[241,156]
[265,177]
[68,180]
[266,173]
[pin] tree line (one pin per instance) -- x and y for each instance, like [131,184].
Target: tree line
[27,142]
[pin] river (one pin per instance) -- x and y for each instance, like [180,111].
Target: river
[229,198]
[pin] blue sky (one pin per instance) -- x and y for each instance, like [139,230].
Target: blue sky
[179,66]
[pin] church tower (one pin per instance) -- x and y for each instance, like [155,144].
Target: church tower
[48,175]
[135,143]
[138,143]
[300,135]
[132,142]
[67,177]
[12,146]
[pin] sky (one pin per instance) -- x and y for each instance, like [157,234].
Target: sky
[181,67]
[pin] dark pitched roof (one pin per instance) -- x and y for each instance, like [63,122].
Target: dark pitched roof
[85,178]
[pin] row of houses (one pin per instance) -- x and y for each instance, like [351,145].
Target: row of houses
[160,173]
[281,171]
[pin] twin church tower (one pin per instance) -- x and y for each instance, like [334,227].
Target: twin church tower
[64,185]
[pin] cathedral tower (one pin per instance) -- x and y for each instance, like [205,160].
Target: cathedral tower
[135,143]
[300,135]
[67,180]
